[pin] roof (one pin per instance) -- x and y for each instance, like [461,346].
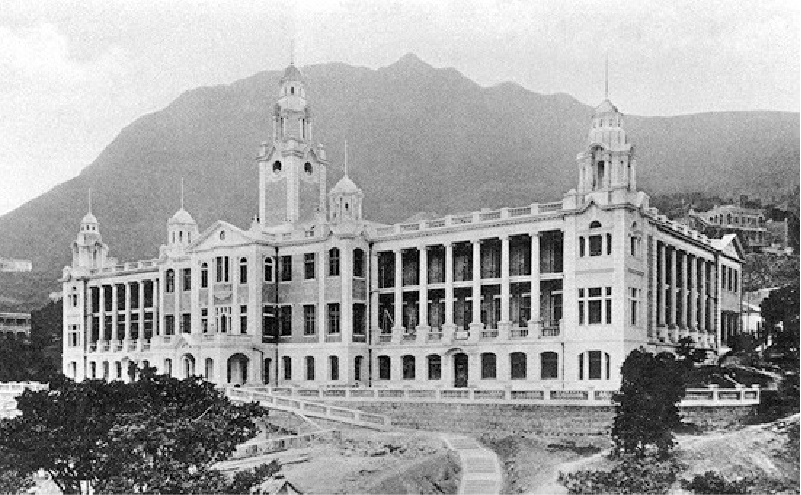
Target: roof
[292,73]
[181,216]
[606,106]
[345,185]
[89,218]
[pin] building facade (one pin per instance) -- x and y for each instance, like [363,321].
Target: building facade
[748,223]
[312,294]
[15,325]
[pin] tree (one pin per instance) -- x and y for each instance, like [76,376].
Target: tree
[158,434]
[646,410]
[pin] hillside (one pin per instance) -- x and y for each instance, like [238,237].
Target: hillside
[420,139]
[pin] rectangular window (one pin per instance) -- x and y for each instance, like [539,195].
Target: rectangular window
[286,268]
[333,262]
[243,271]
[169,325]
[309,323]
[186,279]
[333,318]
[594,308]
[73,336]
[633,305]
[186,323]
[309,368]
[595,365]
[581,247]
[596,305]
[596,245]
[609,244]
[358,263]
[204,320]
[633,245]
[434,367]
[223,319]
[359,313]
[308,266]
[334,365]
[287,368]
[222,269]
[243,319]
[285,320]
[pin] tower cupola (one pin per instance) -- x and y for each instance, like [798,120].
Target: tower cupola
[88,250]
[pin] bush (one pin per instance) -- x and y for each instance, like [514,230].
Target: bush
[712,482]
[632,475]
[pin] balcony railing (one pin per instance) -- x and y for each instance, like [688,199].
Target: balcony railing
[384,338]
[93,347]
[434,336]
[551,328]
[461,335]
[105,347]
[359,337]
[333,337]
[118,346]
[489,334]
[518,333]
[131,345]
[409,336]
[146,345]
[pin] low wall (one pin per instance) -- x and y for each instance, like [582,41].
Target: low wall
[541,420]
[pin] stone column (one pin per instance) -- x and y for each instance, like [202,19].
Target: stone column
[141,336]
[534,322]
[373,291]
[692,277]
[114,319]
[504,326]
[422,326]
[703,327]
[653,285]
[346,313]
[397,330]
[476,326]
[322,310]
[127,336]
[673,324]
[661,287]
[448,328]
[102,330]
[685,309]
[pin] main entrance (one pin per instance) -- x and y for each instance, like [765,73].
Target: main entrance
[460,370]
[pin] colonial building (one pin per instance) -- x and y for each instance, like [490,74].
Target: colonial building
[544,295]
[15,325]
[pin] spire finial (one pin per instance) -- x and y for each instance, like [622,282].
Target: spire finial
[292,51]
[346,158]
[606,77]
[90,200]
[182,193]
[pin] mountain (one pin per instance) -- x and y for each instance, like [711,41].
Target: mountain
[419,139]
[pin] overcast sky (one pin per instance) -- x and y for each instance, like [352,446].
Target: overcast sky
[73,74]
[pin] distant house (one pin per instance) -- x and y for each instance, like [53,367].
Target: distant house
[15,324]
[12,265]
[748,223]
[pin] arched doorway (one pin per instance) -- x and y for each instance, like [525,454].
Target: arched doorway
[189,365]
[238,369]
[460,370]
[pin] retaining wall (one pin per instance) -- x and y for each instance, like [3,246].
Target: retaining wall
[523,419]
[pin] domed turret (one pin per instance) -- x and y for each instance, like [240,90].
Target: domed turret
[345,198]
[88,250]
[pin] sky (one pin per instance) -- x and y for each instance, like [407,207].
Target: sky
[74,74]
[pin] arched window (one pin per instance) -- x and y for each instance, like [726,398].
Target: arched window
[93,369]
[595,224]
[307,167]
[310,367]
[549,366]
[204,275]
[189,366]
[408,367]
[488,366]
[209,369]
[243,271]
[268,269]
[358,262]
[333,366]
[118,370]
[169,285]
[383,368]
[168,367]
[333,262]
[607,365]
[434,367]
[517,361]
[591,362]
[277,166]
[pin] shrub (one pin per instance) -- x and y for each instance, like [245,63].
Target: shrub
[712,482]
[632,475]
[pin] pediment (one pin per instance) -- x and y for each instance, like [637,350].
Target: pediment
[221,234]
